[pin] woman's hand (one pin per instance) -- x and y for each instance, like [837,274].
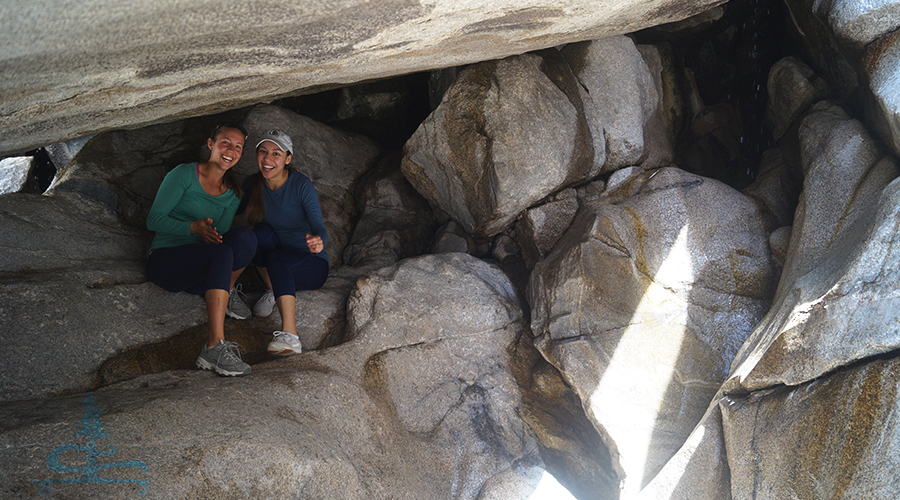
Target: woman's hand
[204,228]
[314,243]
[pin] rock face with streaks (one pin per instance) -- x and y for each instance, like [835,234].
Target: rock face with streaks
[814,374]
[595,306]
[184,59]
[643,304]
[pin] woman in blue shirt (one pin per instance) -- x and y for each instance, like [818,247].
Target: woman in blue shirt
[195,250]
[283,207]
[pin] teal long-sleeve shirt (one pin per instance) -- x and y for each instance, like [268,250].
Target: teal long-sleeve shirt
[180,201]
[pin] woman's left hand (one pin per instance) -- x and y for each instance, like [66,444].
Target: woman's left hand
[314,243]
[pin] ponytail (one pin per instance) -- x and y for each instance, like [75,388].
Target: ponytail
[256,204]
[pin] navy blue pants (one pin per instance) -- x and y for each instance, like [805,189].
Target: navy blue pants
[289,270]
[199,267]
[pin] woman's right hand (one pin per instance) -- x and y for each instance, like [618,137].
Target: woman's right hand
[204,228]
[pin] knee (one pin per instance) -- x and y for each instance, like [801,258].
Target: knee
[243,237]
[263,230]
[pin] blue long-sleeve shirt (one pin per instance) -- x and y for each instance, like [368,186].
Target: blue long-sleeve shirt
[294,211]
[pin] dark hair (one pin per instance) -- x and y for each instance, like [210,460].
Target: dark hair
[219,128]
[256,203]
[231,180]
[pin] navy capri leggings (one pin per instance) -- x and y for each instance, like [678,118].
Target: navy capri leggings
[199,267]
[290,270]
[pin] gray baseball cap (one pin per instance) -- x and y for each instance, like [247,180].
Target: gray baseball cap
[281,139]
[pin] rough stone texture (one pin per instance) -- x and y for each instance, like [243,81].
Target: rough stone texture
[883,110]
[665,113]
[321,314]
[836,301]
[540,227]
[123,169]
[858,22]
[643,304]
[777,187]
[14,173]
[624,94]
[836,437]
[475,158]
[44,234]
[62,152]
[69,306]
[64,64]
[333,160]
[395,221]
[794,87]
[409,409]
[779,242]
[450,238]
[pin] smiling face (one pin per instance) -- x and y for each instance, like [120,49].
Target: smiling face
[227,147]
[271,160]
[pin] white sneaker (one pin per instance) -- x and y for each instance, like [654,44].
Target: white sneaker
[265,305]
[284,343]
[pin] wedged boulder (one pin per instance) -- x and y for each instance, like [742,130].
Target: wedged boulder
[835,437]
[450,238]
[74,294]
[15,173]
[667,114]
[793,88]
[776,187]
[858,23]
[506,134]
[332,159]
[624,95]
[395,221]
[422,403]
[643,304]
[883,69]
[540,227]
[836,301]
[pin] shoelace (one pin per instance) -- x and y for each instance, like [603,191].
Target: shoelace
[285,336]
[269,296]
[231,351]
[237,290]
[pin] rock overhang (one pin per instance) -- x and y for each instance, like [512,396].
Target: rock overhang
[74,70]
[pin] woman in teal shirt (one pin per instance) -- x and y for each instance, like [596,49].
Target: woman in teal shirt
[196,251]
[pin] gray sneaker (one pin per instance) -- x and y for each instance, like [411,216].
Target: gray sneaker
[224,358]
[284,343]
[237,309]
[265,304]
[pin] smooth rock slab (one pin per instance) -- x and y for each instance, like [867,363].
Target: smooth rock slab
[422,403]
[836,302]
[644,302]
[72,70]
